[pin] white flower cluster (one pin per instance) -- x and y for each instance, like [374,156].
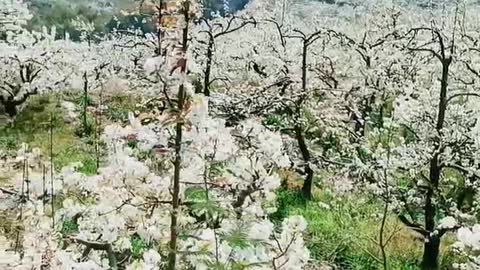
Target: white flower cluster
[263,248]
[468,245]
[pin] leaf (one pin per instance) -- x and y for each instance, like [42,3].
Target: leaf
[237,238]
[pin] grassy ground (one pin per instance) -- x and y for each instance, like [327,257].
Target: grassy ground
[32,127]
[343,232]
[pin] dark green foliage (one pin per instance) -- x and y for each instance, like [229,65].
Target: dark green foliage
[218,6]
[286,198]
[117,114]
[129,22]
[69,226]
[275,122]
[132,143]
[8,143]
[237,238]
[83,101]
[139,246]
[61,13]
[204,210]
[85,129]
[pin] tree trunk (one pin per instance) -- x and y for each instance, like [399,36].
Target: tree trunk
[172,254]
[159,30]
[432,247]
[307,185]
[10,109]
[208,68]
[304,66]
[11,103]
[85,101]
[431,251]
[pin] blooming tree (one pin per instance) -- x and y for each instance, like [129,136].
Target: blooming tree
[434,173]
[208,32]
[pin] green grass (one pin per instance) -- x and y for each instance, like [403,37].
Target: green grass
[344,233]
[32,127]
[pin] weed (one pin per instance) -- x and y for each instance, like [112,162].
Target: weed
[69,226]
[138,246]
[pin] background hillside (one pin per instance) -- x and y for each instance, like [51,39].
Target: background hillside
[61,13]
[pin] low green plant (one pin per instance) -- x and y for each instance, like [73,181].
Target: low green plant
[69,226]
[89,166]
[139,246]
[85,129]
[8,143]
[274,121]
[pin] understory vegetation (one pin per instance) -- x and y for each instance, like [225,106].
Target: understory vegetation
[32,128]
[331,222]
